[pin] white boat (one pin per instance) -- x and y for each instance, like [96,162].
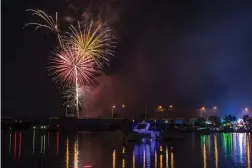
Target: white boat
[145,131]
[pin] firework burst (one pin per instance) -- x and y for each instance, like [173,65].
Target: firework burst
[80,56]
[91,41]
[49,22]
[69,69]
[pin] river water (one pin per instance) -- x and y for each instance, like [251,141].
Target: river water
[106,150]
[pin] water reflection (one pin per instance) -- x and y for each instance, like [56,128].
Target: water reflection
[76,152]
[114,158]
[172,160]
[42,144]
[216,150]
[15,145]
[166,158]
[15,150]
[248,151]
[33,141]
[19,145]
[204,152]
[67,153]
[146,152]
[57,143]
[235,145]
[10,143]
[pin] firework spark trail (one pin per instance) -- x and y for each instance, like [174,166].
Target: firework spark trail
[91,41]
[76,90]
[49,22]
[70,95]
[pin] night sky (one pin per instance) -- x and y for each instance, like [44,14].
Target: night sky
[187,54]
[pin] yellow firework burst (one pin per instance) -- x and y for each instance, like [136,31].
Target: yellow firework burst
[92,40]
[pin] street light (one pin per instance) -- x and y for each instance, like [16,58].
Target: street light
[171,106]
[123,106]
[113,107]
[160,108]
[246,110]
[202,110]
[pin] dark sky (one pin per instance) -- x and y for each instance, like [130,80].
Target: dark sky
[187,54]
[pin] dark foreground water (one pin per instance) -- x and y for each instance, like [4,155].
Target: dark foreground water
[57,150]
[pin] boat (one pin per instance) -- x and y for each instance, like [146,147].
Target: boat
[148,132]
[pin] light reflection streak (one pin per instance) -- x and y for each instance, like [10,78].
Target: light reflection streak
[20,145]
[148,155]
[204,153]
[166,156]
[67,153]
[216,151]
[234,145]
[231,144]
[144,152]
[114,159]
[133,161]
[76,153]
[41,144]
[172,160]
[248,151]
[15,145]
[123,163]
[209,140]
[10,143]
[44,144]
[240,145]
[57,146]
[155,159]
[161,160]
[144,157]
[33,142]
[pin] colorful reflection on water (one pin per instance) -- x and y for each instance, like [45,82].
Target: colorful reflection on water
[84,150]
[233,146]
